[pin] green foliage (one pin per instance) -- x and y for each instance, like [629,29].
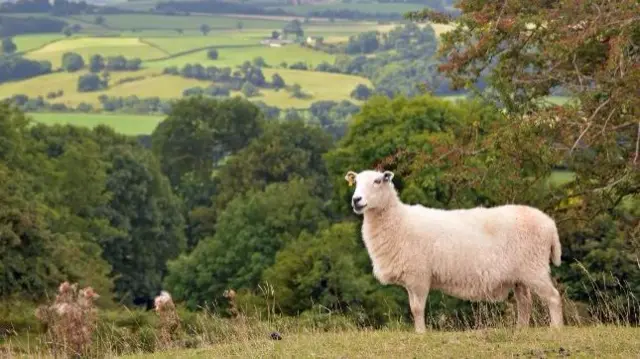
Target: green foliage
[396,134]
[212,54]
[96,63]
[47,229]
[330,269]
[361,92]
[277,81]
[200,132]
[92,82]
[286,150]
[72,62]
[249,90]
[8,46]
[589,52]
[250,231]
[205,29]
[149,223]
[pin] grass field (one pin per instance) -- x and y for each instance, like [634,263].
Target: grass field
[27,43]
[88,46]
[321,86]
[65,81]
[397,8]
[173,45]
[587,342]
[150,21]
[238,55]
[126,124]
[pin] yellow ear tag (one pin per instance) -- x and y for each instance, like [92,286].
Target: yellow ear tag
[350,181]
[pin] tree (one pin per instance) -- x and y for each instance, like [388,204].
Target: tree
[149,223]
[67,31]
[250,90]
[275,34]
[361,92]
[258,61]
[91,82]
[8,46]
[239,25]
[277,81]
[96,63]
[99,20]
[422,133]
[331,269]
[296,91]
[212,54]
[588,52]
[363,43]
[249,233]
[205,29]
[293,27]
[72,62]
[200,132]
[283,152]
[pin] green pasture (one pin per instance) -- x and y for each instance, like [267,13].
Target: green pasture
[173,45]
[152,21]
[26,43]
[88,46]
[233,56]
[126,124]
[397,8]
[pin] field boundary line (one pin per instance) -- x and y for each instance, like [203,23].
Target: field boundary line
[187,52]
[148,43]
[41,46]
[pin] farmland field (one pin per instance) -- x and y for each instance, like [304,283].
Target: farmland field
[397,8]
[162,41]
[88,46]
[321,86]
[126,124]
[172,45]
[31,42]
[236,56]
[149,21]
[67,82]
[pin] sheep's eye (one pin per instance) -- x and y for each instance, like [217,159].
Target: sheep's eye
[377,181]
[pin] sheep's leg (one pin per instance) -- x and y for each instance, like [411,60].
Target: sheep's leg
[524,304]
[544,288]
[417,302]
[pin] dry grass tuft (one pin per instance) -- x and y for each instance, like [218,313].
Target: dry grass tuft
[169,320]
[71,320]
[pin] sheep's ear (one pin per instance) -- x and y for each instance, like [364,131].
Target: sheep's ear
[387,176]
[350,177]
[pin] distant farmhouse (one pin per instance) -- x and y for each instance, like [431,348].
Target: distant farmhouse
[276,42]
[314,40]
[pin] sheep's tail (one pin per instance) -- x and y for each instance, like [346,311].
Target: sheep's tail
[556,247]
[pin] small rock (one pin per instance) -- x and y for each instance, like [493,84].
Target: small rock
[563,352]
[276,336]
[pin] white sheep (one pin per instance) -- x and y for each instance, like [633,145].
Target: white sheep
[473,254]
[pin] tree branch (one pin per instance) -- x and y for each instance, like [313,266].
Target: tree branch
[635,158]
[590,120]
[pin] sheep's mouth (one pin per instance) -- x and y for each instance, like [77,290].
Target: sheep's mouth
[358,209]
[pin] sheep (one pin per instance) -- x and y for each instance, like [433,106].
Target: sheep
[474,254]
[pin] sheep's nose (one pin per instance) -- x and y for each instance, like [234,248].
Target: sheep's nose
[356,200]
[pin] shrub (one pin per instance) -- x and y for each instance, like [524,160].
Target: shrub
[212,54]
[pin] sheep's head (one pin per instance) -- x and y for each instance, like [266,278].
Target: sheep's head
[374,189]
